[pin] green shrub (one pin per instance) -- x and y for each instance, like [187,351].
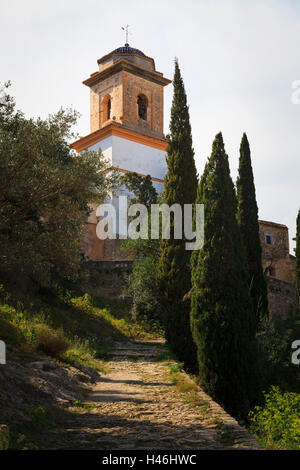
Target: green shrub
[83,303]
[50,341]
[22,442]
[39,417]
[275,337]
[276,424]
[4,437]
[81,353]
[142,290]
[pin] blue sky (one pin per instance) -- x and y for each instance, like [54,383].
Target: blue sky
[238,58]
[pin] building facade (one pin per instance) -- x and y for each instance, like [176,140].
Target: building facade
[277,261]
[279,267]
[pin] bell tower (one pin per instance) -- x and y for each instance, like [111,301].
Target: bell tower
[126,122]
[127,90]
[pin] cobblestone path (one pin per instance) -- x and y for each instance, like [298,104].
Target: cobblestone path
[137,406]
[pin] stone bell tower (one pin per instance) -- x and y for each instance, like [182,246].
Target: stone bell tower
[126,120]
[129,91]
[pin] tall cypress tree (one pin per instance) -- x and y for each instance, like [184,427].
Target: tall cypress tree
[223,324]
[174,273]
[297,280]
[199,200]
[248,222]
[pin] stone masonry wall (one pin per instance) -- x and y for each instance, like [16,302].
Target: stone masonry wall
[133,86]
[281,297]
[276,259]
[123,89]
[107,279]
[112,86]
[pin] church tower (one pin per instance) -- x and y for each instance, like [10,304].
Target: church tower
[126,122]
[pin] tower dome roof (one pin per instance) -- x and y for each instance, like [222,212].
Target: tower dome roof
[127,50]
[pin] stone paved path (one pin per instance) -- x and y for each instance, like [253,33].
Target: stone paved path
[137,406]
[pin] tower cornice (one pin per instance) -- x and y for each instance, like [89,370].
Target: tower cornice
[115,129]
[126,65]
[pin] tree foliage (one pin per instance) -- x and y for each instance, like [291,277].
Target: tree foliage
[45,193]
[222,319]
[140,285]
[174,273]
[275,336]
[248,221]
[141,187]
[141,289]
[7,104]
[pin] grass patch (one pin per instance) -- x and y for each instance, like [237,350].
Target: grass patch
[195,400]
[52,342]
[174,367]
[79,331]
[85,406]
[164,354]
[185,387]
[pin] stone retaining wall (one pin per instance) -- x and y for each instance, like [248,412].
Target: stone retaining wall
[107,278]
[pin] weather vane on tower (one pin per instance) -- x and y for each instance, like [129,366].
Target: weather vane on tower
[125,28]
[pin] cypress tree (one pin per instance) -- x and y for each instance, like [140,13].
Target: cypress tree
[199,200]
[248,221]
[223,324]
[297,280]
[174,273]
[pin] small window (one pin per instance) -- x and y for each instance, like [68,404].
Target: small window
[269,239]
[272,271]
[142,103]
[106,108]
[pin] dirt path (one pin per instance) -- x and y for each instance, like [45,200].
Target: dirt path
[137,406]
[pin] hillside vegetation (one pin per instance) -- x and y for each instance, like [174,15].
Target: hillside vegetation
[71,329]
[70,336]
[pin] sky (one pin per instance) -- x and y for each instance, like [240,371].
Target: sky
[238,58]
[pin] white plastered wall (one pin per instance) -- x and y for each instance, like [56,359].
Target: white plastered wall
[132,156]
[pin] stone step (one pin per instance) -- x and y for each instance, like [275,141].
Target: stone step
[135,349]
[132,356]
